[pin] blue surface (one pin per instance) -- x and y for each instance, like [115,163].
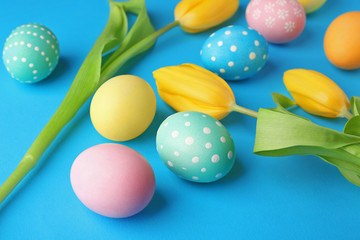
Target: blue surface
[297,197]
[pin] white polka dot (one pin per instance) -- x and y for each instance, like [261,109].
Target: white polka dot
[29,44]
[42,29]
[28,32]
[203,170]
[47,59]
[161,146]
[29,25]
[264,57]
[10,45]
[22,43]
[34,72]
[187,124]
[215,158]
[252,56]
[231,64]
[246,68]
[213,58]
[212,34]
[36,48]
[222,70]
[256,42]
[7,68]
[35,34]
[53,36]
[174,134]
[22,32]
[184,168]
[206,130]
[15,33]
[31,65]
[218,175]
[23,59]
[15,58]
[195,159]
[245,33]
[43,53]
[189,140]
[166,124]
[200,52]
[218,123]
[48,32]
[237,77]
[227,32]
[35,26]
[230,155]
[42,37]
[15,43]
[49,64]
[52,46]
[170,164]
[259,68]
[203,115]
[34,77]
[195,178]
[209,45]
[223,139]
[8,61]
[176,154]
[186,114]
[233,48]
[208,145]
[56,51]
[220,43]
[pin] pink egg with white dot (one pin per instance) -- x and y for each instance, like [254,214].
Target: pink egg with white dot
[279,21]
[113,180]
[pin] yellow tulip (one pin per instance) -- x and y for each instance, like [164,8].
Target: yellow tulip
[188,87]
[316,93]
[199,15]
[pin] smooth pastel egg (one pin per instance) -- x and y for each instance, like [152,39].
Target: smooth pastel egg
[279,21]
[31,53]
[123,108]
[195,146]
[311,5]
[234,52]
[342,41]
[113,180]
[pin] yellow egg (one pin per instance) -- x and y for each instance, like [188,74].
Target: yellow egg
[123,108]
[311,5]
[342,41]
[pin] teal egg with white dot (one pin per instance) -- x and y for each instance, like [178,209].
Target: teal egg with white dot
[234,52]
[31,53]
[195,146]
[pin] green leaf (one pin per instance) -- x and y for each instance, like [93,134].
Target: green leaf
[351,176]
[353,126]
[355,105]
[282,101]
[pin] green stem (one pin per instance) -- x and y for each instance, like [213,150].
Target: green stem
[111,68]
[243,110]
[53,128]
[347,114]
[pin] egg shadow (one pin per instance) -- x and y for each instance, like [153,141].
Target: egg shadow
[157,203]
[61,68]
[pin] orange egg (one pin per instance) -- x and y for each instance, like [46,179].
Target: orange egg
[342,41]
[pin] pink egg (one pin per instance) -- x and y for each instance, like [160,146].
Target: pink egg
[279,21]
[113,180]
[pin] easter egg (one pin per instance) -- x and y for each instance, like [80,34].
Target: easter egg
[195,146]
[279,21]
[113,180]
[342,41]
[234,52]
[31,53]
[123,108]
[311,5]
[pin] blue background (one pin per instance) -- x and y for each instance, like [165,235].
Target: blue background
[297,197]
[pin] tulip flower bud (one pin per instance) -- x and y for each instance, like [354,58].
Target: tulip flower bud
[316,93]
[199,15]
[188,87]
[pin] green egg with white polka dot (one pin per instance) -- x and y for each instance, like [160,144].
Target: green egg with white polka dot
[195,146]
[31,53]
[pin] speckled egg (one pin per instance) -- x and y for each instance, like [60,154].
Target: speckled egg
[195,146]
[31,53]
[279,21]
[234,52]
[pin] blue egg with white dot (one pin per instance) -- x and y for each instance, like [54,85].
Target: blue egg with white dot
[31,53]
[234,52]
[195,146]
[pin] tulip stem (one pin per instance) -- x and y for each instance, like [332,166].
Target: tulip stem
[347,114]
[243,110]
